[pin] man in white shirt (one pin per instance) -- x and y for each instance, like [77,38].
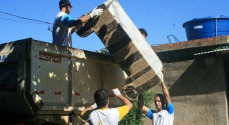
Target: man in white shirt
[100,114]
[164,115]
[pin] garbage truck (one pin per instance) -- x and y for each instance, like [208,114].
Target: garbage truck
[42,82]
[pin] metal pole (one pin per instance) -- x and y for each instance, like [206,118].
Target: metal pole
[216,27]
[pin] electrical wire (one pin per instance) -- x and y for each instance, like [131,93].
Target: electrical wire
[25,18]
[21,21]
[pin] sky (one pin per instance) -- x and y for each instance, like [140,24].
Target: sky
[160,18]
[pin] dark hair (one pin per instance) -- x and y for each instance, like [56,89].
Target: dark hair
[63,3]
[143,31]
[101,97]
[162,98]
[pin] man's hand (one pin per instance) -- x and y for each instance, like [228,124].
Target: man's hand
[108,3]
[116,91]
[124,100]
[94,106]
[160,74]
[96,12]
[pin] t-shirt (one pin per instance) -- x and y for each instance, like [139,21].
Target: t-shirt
[109,116]
[62,29]
[164,117]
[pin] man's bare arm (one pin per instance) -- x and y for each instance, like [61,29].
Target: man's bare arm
[124,100]
[88,108]
[94,106]
[141,105]
[166,92]
[81,20]
[165,89]
[85,18]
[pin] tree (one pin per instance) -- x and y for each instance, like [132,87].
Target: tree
[103,51]
[135,116]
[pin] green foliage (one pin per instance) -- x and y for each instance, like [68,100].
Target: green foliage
[135,116]
[103,51]
[221,47]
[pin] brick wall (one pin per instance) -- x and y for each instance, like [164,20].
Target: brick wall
[198,91]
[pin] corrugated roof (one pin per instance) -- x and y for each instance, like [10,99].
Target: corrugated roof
[198,43]
[213,51]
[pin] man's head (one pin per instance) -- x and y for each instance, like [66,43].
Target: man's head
[143,32]
[101,97]
[159,101]
[66,5]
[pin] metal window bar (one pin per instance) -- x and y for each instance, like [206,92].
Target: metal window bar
[175,38]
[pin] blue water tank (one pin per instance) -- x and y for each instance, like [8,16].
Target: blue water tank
[206,27]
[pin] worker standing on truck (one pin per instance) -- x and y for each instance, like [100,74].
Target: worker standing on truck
[100,114]
[164,115]
[63,23]
[143,32]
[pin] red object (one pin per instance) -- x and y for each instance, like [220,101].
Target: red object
[57,93]
[111,96]
[77,94]
[42,92]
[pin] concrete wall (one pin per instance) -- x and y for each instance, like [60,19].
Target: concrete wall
[198,91]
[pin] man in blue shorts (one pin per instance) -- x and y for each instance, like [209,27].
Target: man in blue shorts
[164,115]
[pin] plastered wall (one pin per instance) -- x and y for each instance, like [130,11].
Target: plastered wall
[198,91]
